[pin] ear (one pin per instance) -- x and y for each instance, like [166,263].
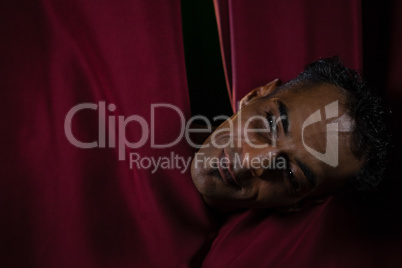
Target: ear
[259,92]
[303,204]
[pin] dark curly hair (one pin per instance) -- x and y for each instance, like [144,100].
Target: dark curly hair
[370,138]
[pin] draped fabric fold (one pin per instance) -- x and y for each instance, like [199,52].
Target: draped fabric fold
[64,206]
[121,66]
[323,236]
[264,40]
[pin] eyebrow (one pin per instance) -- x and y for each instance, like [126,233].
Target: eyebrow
[283,113]
[307,173]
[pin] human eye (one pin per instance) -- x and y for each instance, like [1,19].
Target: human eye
[288,174]
[271,120]
[292,179]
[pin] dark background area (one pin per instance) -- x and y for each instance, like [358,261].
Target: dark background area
[205,75]
[382,71]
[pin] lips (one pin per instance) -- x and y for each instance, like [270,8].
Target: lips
[225,169]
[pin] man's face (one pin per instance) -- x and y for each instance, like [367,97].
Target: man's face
[260,157]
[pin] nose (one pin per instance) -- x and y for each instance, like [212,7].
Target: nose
[260,158]
[257,151]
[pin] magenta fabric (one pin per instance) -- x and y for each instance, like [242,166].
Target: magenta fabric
[328,235]
[264,40]
[62,206]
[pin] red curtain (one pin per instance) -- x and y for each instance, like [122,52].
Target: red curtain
[275,39]
[63,206]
